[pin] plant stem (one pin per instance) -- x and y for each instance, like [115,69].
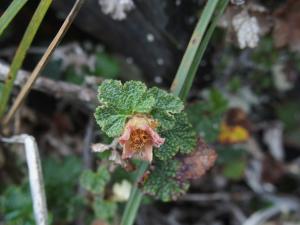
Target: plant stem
[19,57]
[182,83]
[135,198]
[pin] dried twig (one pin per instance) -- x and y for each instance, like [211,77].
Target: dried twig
[35,176]
[58,89]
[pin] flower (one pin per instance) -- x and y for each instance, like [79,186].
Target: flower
[139,137]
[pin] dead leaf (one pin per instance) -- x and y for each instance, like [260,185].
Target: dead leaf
[99,147]
[198,163]
[235,128]
[287,27]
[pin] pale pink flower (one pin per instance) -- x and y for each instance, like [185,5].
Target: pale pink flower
[139,137]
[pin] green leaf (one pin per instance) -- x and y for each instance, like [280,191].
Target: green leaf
[118,102]
[206,116]
[163,183]
[95,182]
[166,120]
[132,97]
[17,205]
[181,138]
[234,169]
[217,102]
[106,66]
[134,93]
[110,92]
[165,101]
[165,107]
[105,210]
[110,121]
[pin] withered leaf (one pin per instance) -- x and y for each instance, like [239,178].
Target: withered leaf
[287,27]
[199,162]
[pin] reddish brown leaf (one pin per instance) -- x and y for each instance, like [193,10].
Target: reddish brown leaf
[287,26]
[198,163]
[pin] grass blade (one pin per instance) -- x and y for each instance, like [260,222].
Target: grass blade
[199,55]
[191,59]
[10,13]
[21,52]
[44,60]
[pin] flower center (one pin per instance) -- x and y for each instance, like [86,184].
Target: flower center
[138,139]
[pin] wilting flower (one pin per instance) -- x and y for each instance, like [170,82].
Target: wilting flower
[139,137]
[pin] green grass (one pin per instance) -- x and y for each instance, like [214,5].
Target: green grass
[21,52]
[10,13]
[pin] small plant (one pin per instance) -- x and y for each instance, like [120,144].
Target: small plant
[150,125]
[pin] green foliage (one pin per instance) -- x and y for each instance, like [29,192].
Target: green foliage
[16,205]
[165,107]
[72,76]
[61,189]
[104,210]
[206,116]
[106,66]
[288,113]
[95,182]
[233,161]
[234,169]
[181,138]
[265,55]
[119,102]
[163,183]
[22,51]
[63,202]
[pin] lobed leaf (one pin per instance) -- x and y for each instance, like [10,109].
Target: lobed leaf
[105,210]
[165,107]
[95,181]
[118,102]
[181,138]
[163,183]
[110,121]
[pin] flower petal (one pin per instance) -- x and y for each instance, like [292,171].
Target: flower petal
[125,136]
[127,151]
[148,153]
[157,141]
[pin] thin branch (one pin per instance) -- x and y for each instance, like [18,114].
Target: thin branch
[58,89]
[45,58]
[35,176]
